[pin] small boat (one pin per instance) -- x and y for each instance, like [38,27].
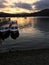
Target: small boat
[4,27]
[4,31]
[14,30]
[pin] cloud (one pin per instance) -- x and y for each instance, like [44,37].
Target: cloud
[23,5]
[2,3]
[41,4]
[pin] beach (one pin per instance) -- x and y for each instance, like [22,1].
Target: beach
[30,57]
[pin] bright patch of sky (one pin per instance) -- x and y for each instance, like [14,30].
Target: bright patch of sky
[19,6]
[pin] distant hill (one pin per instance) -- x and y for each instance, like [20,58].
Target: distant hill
[2,14]
[44,12]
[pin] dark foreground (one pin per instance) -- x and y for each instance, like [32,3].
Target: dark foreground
[30,57]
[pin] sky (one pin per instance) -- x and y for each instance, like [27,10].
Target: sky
[22,6]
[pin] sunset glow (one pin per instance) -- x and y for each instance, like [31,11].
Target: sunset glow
[13,6]
[22,21]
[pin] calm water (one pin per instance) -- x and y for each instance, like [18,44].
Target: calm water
[34,34]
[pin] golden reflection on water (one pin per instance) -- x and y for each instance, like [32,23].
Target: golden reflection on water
[25,23]
[28,30]
[22,20]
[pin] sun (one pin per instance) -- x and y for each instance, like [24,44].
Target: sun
[33,7]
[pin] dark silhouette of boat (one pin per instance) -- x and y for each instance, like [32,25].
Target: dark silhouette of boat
[14,30]
[4,28]
[4,31]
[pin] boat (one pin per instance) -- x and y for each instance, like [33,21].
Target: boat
[4,27]
[4,31]
[14,30]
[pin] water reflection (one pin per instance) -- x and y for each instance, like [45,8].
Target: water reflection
[30,25]
[34,33]
[22,21]
[42,24]
[34,23]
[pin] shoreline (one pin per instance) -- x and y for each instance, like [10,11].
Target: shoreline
[30,57]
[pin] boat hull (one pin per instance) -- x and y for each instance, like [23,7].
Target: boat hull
[4,35]
[14,34]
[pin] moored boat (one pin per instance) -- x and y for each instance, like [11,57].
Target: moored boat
[4,31]
[14,30]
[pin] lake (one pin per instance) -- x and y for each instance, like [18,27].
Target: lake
[33,34]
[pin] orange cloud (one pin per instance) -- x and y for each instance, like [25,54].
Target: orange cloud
[9,9]
[15,10]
